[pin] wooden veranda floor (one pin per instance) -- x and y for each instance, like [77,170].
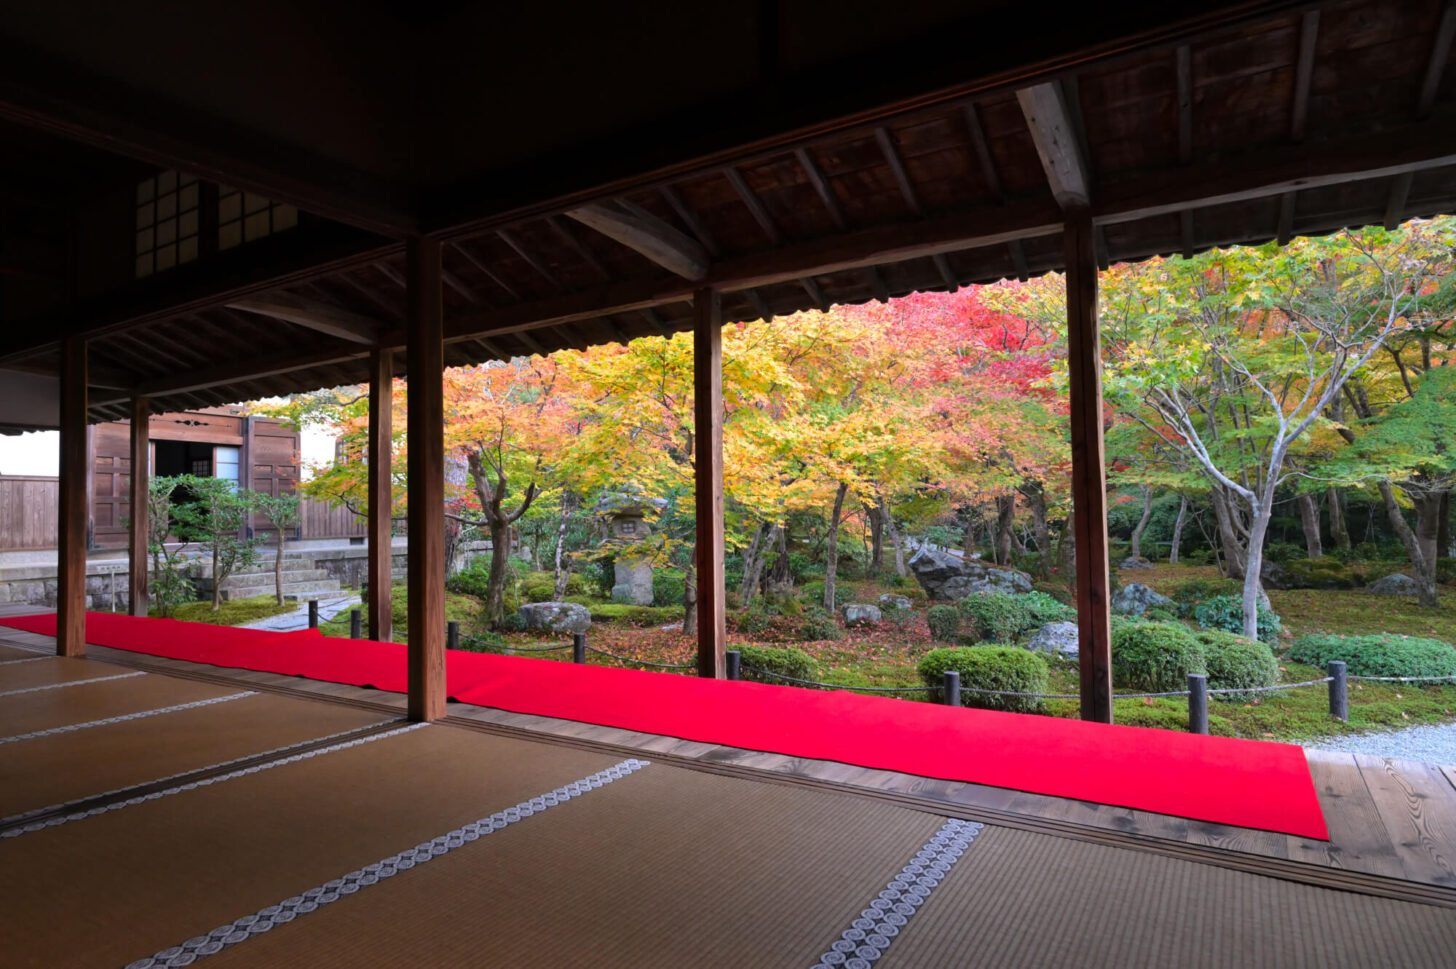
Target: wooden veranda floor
[1392,823]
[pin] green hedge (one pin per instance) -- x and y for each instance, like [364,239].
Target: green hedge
[944,622]
[1227,613]
[1325,572]
[1155,656]
[1234,662]
[626,614]
[813,593]
[989,668]
[818,625]
[1004,617]
[1379,655]
[785,661]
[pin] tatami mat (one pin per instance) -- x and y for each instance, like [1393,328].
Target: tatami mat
[664,868]
[47,771]
[135,881]
[48,709]
[52,670]
[1032,901]
[15,652]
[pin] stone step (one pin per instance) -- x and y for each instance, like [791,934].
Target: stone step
[258,580]
[291,560]
[292,590]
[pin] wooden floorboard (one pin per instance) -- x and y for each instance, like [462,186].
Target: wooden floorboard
[1392,827]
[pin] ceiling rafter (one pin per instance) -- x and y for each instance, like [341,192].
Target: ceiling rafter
[1299,113]
[689,219]
[993,181]
[1400,185]
[897,169]
[484,269]
[648,236]
[754,204]
[509,239]
[822,187]
[314,315]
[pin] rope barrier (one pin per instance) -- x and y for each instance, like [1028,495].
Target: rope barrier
[534,649]
[641,662]
[840,686]
[1405,679]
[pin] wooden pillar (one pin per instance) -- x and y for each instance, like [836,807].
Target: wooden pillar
[381,494]
[1089,473]
[71,550]
[137,501]
[425,442]
[708,478]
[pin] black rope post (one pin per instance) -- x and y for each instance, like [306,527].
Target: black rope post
[452,635]
[313,614]
[578,648]
[356,624]
[1339,691]
[1197,703]
[951,688]
[735,664]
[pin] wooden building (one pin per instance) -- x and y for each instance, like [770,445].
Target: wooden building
[258,453]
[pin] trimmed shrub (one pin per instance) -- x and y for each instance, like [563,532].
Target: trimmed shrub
[1234,662]
[483,643]
[944,621]
[1155,656]
[668,588]
[1379,655]
[1227,613]
[813,593]
[471,581]
[755,619]
[1042,608]
[1160,614]
[512,622]
[989,667]
[1325,572]
[1189,593]
[1283,552]
[626,614]
[996,617]
[786,661]
[819,624]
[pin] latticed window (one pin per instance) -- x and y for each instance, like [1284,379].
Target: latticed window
[245,216]
[166,222]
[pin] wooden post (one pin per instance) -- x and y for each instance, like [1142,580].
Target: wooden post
[1089,474]
[425,441]
[71,550]
[950,690]
[708,478]
[139,574]
[381,495]
[1339,690]
[1197,703]
[578,648]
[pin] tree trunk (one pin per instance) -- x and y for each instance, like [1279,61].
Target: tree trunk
[1424,568]
[1178,530]
[780,576]
[968,546]
[1142,525]
[500,555]
[894,530]
[1005,522]
[877,540]
[831,554]
[1339,526]
[1253,565]
[217,579]
[1234,553]
[1067,553]
[1428,525]
[278,540]
[1037,499]
[753,562]
[563,575]
[1309,517]
[1443,528]
[690,593]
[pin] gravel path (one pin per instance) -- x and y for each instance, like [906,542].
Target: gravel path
[298,618]
[1434,744]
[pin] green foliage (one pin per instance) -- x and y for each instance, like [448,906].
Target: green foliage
[989,667]
[755,619]
[626,614]
[1325,572]
[813,593]
[758,661]
[511,622]
[1283,552]
[668,587]
[1005,617]
[1382,655]
[819,624]
[1227,613]
[1190,592]
[214,512]
[231,613]
[1234,662]
[471,580]
[1154,656]
[1042,608]
[169,585]
[483,642]
[944,622]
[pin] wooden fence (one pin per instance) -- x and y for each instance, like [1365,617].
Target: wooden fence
[29,505]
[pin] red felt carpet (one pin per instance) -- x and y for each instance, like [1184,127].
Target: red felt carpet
[1240,782]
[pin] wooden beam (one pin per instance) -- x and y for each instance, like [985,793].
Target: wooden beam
[313,315]
[1395,202]
[822,186]
[531,260]
[138,495]
[754,204]
[689,218]
[425,443]
[489,273]
[993,182]
[566,235]
[815,294]
[1303,74]
[379,526]
[1436,64]
[897,169]
[1183,67]
[1089,473]
[648,236]
[942,266]
[267,365]
[75,469]
[1054,133]
[708,480]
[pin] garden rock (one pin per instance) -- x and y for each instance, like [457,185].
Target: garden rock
[891,602]
[633,581]
[556,617]
[1134,599]
[1133,563]
[860,614]
[1275,576]
[946,578]
[1393,585]
[1055,638]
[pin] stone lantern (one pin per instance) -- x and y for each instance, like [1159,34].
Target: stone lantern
[627,525]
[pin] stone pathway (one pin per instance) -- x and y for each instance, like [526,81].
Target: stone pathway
[298,618]
[1431,743]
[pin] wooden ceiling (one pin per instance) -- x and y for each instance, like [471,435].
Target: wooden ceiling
[1299,123]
